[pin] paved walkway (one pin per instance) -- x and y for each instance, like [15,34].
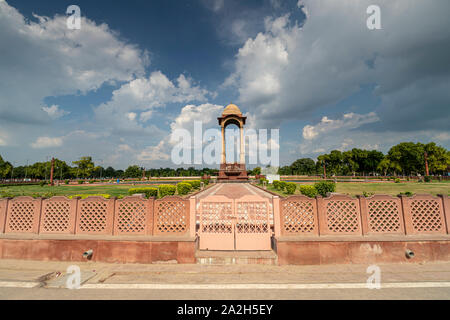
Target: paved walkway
[46,280]
[233,191]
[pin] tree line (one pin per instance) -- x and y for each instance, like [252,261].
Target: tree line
[85,168]
[406,158]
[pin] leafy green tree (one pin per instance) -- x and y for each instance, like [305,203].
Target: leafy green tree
[133,172]
[5,168]
[85,167]
[303,166]
[438,158]
[110,172]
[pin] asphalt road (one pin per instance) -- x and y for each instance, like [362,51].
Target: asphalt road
[48,280]
[219,294]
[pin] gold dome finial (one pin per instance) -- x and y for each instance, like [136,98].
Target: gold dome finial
[232,109]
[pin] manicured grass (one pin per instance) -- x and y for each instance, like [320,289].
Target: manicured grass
[68,190]
[394,189]
[114,190]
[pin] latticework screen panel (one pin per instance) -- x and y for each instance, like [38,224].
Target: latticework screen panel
[23,215]
[133,217]
[58,215]
[171,216]
[252,217]
[216,217]
[342,216]
[384,216]
[426,215]
[298,216]
[95,216]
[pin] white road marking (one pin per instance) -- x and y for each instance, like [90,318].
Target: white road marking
[250,286]
[18,284]
[264,286]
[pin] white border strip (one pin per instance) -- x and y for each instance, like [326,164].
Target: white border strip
[250,286]
[18,284]
[264,286]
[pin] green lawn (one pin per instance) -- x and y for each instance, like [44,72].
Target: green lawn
[357,188]
[114,190]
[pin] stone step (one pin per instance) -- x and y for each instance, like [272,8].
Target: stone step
[206,257]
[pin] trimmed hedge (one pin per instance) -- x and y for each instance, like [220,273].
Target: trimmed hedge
[276,184]
[84,196]
[309,191]
[194,183]
[184,188]
[205,181]
[166,190]
[324,187]
[149,191]
[282,185]
[291,187]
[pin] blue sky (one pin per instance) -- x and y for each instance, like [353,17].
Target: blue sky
[138,70]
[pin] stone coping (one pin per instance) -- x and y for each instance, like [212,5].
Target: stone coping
[367,238]
[12,236]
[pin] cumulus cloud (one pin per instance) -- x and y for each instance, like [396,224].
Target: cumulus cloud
[55,112]
[154,153]
[291,70]
[138,99]
[348,132]
[43,58]
[3,138]
[47,142]
[206,113]
[327,126]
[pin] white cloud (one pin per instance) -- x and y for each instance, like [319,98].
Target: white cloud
[139,98]
[290,70]
[327,126]
[154,153]
[43,58]
[55,112]
[443,136]
[47,142]
[3,139]
[207,113]
[349,132]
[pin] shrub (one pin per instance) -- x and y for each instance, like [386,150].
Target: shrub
[149,191]
[261,180]
[290,187]
[194,183]
[84,196]
[184,188]
[324,187]
[91,181]
[427,179]
[80,181]
[282,185]
[397,180]
[6,194]
[166,190]
[367,194]
[43,183]
[309,191]
[205,181]
[47,195]
[67,181]
[276,184]
[407,193]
